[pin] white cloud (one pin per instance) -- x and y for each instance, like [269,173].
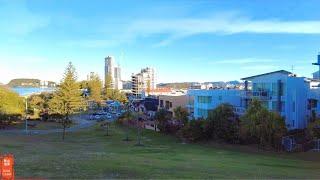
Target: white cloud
[219,24]
[173,29]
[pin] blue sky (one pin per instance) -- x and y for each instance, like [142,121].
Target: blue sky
[185,40]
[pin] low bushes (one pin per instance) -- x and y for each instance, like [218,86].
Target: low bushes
[257,126]
[193,131]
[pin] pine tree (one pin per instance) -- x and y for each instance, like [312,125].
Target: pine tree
[67,100]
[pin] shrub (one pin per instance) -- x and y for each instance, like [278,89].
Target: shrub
[193,131]
[314,129]
[262,126]
[223,123]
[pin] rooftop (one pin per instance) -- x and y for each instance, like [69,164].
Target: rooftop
[280,71]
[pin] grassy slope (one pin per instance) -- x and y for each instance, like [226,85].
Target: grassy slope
[40,125]
[90,154]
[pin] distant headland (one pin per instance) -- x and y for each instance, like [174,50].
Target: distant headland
[34,83]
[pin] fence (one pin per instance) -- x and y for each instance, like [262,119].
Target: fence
[317,145]
[290,144]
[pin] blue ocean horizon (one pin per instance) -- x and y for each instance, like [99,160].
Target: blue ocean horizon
[27,91]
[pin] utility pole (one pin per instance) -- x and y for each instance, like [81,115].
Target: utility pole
[318,64]
[26,116]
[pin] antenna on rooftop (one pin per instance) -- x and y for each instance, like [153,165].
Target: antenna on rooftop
[318,64]
[292,68]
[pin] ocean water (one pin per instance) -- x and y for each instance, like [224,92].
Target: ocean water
[23,91]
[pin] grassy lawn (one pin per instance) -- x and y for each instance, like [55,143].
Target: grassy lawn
[91,154]
[40,125]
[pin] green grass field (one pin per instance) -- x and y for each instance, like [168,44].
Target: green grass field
[39,125]
[91,154]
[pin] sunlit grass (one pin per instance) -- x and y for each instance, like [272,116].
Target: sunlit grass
[92,154]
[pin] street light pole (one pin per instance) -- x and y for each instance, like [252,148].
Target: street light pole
[26,116]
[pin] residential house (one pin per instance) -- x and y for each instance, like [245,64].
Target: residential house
[172,101]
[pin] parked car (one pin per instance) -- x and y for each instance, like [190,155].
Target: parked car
[109,116]
[98,120]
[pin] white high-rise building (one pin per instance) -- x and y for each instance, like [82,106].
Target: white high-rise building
[143,80]
[114,72]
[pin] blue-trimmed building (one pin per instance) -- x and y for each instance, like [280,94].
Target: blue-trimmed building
[280,91]
[206,100]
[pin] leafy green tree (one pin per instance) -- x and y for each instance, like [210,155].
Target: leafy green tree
[125,118]
[95,88]
[67,99]
[224,123]
[263,126]
[83,84]
[11,106]
[113,94]
[194,130]
[36,101]
[139,128]
[162,118]
[181,114]
[108,86]
[314,129]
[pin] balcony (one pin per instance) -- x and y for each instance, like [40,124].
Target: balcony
[239,110]
[261,95]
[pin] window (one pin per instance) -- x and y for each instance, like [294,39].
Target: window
[274,105]
[265,104]
[202,112]
[170,104]
[220,98]
[167,105]
[161,103]
[254,86]
[292,123]
[274,89]
[293,106]
[283,89]
[283,105]
[205,99]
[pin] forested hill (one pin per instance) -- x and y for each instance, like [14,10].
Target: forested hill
[29,83]
[182,85]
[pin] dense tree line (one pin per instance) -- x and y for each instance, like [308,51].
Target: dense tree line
[113,94]
[12,106]
[96,92]
[257,126]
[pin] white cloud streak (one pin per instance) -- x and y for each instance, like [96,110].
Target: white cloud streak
[173,29]
[223,25]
